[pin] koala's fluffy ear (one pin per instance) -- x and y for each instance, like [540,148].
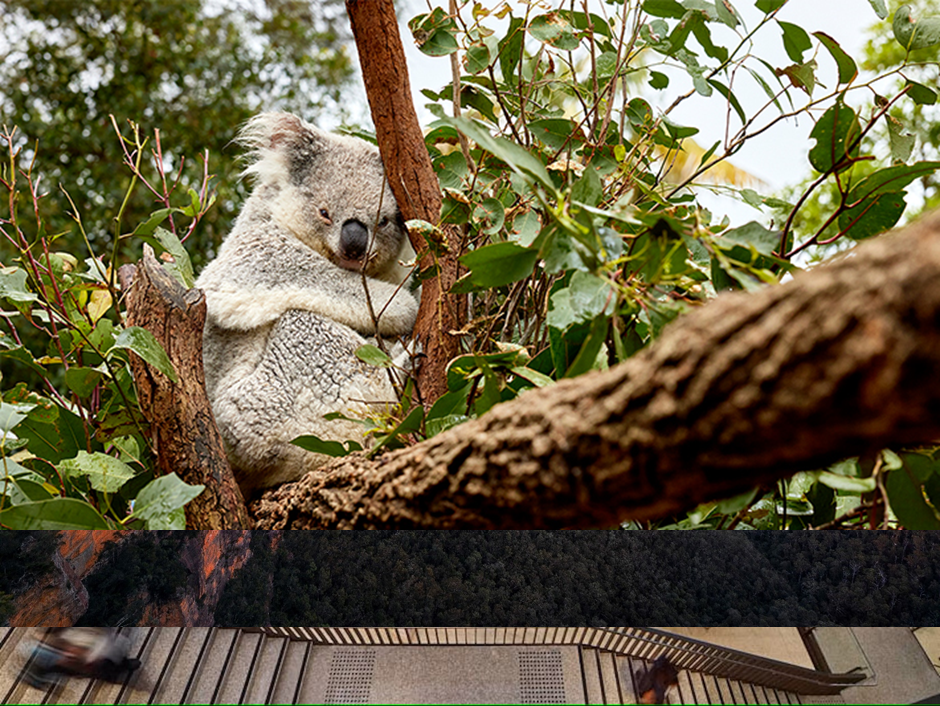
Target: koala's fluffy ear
[277,145]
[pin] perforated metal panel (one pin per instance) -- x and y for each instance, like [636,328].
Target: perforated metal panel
[541,677]
[350,679]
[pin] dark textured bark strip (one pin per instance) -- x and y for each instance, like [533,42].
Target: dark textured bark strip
[412,178]
[842,361]
[182,426]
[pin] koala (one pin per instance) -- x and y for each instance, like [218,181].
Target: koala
[287,303]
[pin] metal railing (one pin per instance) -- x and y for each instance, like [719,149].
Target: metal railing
[641,643]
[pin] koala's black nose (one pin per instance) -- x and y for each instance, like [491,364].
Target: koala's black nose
[353,241]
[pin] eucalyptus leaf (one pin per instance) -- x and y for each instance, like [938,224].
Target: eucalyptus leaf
[906,496]
[497,264]
[880,8]
[82,381]
[768,6]
[104,472]
[588,357]
[150,225]
[181,267]
[436,426]
[553,28]
[373,355]
[921,94]
[56,439]
[28,490]
[55,514]
[534,376]
[845,63]
[477,58]
[727,13]
[658,80]
[518,158]
[489,215]
[586,297]
[915,34]
[873,215]
[901,142]
[13,285]
[329,448]
[795,41]
[892,179]
[143,343]
[753,236]
[664,8]
[435,33]
[836,133]
[157,502]
[525,228]
[11,415]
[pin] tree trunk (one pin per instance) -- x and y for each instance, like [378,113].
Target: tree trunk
[412,178]
[842,361]
[183,429]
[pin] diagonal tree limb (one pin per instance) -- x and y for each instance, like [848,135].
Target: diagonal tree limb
[750,388]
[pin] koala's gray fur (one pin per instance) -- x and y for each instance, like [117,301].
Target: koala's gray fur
[286,298]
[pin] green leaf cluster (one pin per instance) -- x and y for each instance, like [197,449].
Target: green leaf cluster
[75,446]
[586,240]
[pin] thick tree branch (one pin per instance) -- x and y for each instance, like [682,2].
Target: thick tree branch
[182,426]
[842,361]
[412,178]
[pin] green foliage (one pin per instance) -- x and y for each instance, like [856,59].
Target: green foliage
[75,448]
[584,238]
[132,575]
[193,70]
[453,578]
[915,34]
[912,131]
[239,604]
[26,557]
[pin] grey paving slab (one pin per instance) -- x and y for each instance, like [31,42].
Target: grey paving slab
[610,682]
[171,662]
[313,687]
[14,652]
[237,673]
[188,673]
[265,671]
[290,673]
[593,693]
[705,688]
[448,674]
[155,657]
[903,672]
[744,693]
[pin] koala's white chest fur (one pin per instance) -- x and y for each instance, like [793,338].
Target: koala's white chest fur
[287,304]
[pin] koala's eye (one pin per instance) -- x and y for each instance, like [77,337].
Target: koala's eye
[384,222]
[325,214]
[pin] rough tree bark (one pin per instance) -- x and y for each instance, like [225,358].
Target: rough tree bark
[412,178]
[182,427]
[841,361]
